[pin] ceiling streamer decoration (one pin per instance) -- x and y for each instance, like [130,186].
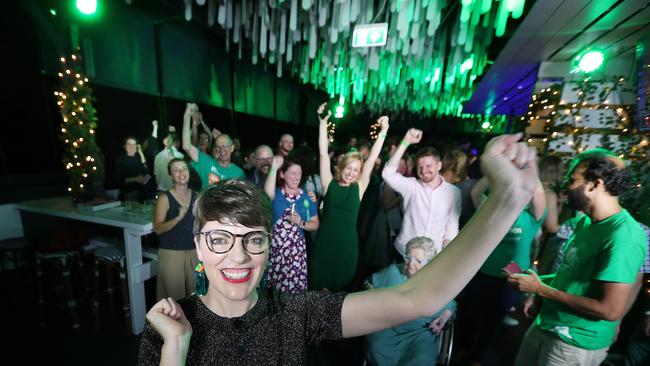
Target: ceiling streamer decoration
[434,52]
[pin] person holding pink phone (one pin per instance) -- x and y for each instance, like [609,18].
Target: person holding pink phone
[488,296]
[585,299]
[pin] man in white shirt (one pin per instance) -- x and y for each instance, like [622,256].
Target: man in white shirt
[431,205]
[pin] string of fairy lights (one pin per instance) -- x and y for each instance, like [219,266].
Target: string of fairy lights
[569,124]
[78,125]
[375,128]
[331,129]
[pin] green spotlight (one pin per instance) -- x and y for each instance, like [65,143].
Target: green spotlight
[590,61]
[339,111]
[485,125]
[87,7]
[53,12]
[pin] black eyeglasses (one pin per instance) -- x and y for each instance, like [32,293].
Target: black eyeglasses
[222,241]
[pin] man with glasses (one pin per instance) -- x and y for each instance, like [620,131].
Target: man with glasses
[222,152]
[263,158]
[587,296]
[211,169]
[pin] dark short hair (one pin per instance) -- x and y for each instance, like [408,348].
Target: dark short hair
[233,202]
[605,165]
[290,161]
[174,160]
[427,151]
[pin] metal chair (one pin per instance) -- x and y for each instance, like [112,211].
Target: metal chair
[111,261]
[446,343]
[15,256]
[55,272]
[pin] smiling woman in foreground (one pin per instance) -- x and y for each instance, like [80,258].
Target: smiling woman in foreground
[235,323]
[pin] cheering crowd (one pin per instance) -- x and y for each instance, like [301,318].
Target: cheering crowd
[369,242]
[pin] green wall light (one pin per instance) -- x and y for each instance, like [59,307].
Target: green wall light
[87,7]
[590,61]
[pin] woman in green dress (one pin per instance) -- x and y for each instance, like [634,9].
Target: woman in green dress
[334,260]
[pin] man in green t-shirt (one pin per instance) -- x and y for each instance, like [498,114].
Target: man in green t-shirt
[222,152]
[215,168]
[587,296]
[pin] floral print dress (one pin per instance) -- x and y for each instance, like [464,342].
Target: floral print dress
[287,269]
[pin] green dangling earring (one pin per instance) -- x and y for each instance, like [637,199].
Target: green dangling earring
[199,280]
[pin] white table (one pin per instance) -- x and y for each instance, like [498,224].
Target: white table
[135,223]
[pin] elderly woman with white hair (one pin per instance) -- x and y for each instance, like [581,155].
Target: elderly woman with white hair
[411,343]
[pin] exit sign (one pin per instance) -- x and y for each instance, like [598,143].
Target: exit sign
[370,35]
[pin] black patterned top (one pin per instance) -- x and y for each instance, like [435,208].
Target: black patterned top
[276,331]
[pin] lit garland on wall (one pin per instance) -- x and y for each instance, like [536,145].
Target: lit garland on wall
[564,120]
[78,126]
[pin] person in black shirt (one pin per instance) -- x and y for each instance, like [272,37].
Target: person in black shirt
[131,174]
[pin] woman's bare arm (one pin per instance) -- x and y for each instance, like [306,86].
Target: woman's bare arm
[511,169]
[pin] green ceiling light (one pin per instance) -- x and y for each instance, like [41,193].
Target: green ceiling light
[466,65]
[436,74]
[87,7]
[339,111]
[590,61]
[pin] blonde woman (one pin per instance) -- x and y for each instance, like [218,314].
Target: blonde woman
[334,260]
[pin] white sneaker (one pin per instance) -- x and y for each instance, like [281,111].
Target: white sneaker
[510,321]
